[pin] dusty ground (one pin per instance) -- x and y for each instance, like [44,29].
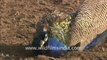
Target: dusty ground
[18,24]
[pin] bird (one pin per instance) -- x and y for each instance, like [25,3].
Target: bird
[53,36]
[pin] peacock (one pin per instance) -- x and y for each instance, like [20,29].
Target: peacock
[55,36]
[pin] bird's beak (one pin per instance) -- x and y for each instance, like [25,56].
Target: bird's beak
[42,43]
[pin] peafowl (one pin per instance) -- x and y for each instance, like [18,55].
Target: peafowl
[55,37]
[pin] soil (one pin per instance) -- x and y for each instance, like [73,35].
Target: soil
[19,22]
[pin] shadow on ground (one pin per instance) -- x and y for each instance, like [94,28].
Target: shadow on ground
[18,51]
